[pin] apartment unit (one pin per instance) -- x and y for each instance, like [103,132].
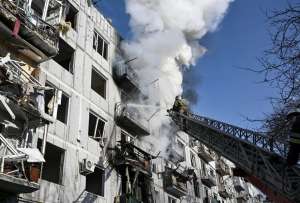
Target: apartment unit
[82,141]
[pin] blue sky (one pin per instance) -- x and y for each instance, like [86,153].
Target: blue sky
[225,91]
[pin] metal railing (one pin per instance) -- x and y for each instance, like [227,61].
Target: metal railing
[122,69]
[19,8]
[123,110]
[258,139]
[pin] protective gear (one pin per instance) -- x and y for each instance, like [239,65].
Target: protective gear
[179,105]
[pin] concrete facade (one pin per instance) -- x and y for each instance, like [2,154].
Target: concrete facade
[76,145]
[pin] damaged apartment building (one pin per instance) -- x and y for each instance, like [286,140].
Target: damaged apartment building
[67,133]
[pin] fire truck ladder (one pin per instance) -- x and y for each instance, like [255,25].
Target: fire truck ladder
[259,156]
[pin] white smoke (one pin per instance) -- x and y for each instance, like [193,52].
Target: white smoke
[166,36]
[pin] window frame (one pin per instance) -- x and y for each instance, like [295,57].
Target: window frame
[94,137]
[67,112]
[94,70]
[62,153]
[75,26]
[105,45]
[102,186]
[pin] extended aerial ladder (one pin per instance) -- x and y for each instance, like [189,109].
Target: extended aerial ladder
[260,159]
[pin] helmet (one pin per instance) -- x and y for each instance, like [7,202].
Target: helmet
[177,97]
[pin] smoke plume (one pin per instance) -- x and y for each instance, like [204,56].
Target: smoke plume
[165,40]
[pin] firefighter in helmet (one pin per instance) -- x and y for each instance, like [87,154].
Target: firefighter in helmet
[179,105]
[294,149]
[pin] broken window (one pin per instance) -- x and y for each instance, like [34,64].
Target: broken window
[98,83]
[100,45]
[96,127]
[49,99]
[95,182]
[71,15]
[65,56]
[62,110]
[53,167]
[193,160]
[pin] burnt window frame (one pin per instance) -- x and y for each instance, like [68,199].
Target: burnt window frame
[101,190]
[103,50]
[97,73]
[57,58]
[98,118]
[61,162]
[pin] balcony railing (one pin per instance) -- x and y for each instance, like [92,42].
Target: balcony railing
[130,155]
[34,35]
[126,77]
[20,167]
[20,94]
[208,178]
[130,119]
[205,154]
[222,168]
[175,183]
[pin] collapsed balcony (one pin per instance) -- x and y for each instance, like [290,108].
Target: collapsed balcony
[175,182]
[21,99]
[20,167]
[205,154]
[23,30]
[130,120]
[208,178]
[130,155]
[222,168]
[126,77]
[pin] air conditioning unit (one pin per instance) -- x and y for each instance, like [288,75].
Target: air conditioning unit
[87,167]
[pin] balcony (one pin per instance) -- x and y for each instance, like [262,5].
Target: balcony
[175,183]
[130,120]
[130,155]
[222,168]
[126,77]
[205,154]
[223,191]
[238,185]
[25,33]
[16,178]
[208,178]
[19,102]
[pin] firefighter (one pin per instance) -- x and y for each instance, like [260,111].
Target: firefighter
[294,150]
[179,105]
